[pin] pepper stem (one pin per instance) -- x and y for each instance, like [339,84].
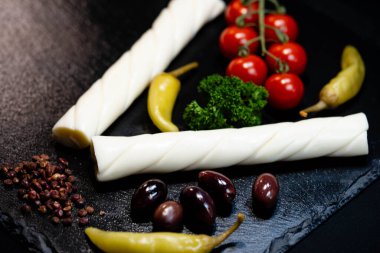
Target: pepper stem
[321,105]
[184,69]
[220,238]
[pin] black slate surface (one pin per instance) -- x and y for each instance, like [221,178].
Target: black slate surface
[52,51]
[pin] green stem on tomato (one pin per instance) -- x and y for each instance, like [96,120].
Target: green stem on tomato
[247,2]
[262,26]
[279,8]
[282,66]
[282,37]
[240,21]
[244,50]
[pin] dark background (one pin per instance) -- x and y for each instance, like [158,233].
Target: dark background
[50,52]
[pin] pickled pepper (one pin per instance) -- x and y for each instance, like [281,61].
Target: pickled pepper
[344,86]
[168,242]
[163,92]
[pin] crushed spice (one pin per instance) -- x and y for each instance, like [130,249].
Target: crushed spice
[50,189]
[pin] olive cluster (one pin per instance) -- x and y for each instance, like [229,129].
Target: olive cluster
[199,205]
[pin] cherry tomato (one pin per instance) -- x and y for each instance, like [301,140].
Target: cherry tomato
[235,9]
[285,23]
[250,68]
[292,53]
[234,37]
[285,90]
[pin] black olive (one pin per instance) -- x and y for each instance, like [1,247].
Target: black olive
[199,210]
[264,194]
[220,188]
[146,198]
[168,217]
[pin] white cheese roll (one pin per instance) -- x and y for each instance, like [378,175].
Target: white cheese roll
[117,157]
[125,80]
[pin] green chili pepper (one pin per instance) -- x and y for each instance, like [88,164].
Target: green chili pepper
[165,242]
[163,92]
[344,86]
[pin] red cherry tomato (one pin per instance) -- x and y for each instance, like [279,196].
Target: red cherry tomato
[234,37]
[292,53]
[235,9]
[285,90]
[249,68]
[285,23]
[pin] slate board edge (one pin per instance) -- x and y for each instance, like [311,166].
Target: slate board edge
[27,236]
[37,242]
[295,234]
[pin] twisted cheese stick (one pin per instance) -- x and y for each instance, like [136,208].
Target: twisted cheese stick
[118,157]
[125,80]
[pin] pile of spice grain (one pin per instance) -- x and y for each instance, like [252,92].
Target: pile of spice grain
[48,188]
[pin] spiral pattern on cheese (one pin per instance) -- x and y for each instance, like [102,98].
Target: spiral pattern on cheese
[118,157]
[126,79]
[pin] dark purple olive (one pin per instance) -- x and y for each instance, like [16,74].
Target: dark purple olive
[220,188]
[199,210]
[146,198]
[168,217]
[264,193]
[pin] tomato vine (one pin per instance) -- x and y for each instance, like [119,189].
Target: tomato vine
[277,48]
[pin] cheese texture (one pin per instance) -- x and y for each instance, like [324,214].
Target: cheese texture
[118,157]
[126,79]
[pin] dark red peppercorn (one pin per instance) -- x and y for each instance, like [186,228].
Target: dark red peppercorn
[45,195]
[71,179]
[54,194]
[81,202]
[67,221]
[25,208]
[68,172]
[15,180]
[54,185]
[82,213]
[25,183]
[83,221]
[58,213]
[67,214]
[68,203]
[56,177]
[8,182]
[55,220]
[90,210]
[42,209]
[32,195]
[75,197]
[63,161]
[49,204]
[5,169]
[56,205]
[37,186]
[20,193]
[11,174]
[37,203]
